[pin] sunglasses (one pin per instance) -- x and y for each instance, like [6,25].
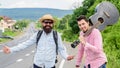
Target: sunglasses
[48,22]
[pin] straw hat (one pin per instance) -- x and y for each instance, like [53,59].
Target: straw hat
[47,16]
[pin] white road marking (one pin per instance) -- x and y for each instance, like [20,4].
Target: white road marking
[27,54]
[62,63]
[19,60]
[33,51]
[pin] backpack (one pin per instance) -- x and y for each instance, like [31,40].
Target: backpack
[55,36]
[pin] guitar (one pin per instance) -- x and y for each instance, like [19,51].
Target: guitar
[107,12]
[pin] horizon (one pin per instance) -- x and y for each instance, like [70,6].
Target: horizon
[32,13]
[37,8]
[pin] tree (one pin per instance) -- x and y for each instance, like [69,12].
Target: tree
[64,22]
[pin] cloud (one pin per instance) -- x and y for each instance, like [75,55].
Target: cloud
[22,4]
[58,4]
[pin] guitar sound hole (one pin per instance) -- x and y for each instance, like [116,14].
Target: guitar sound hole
[100,19]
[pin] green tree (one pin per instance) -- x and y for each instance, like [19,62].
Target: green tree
[21,24]
[64,22]
[83,10]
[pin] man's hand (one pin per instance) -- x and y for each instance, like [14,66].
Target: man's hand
[6,49]
[70,58]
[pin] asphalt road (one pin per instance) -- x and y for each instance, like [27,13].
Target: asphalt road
[24,58]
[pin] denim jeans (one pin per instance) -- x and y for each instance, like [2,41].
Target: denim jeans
[35,66]
[102,66]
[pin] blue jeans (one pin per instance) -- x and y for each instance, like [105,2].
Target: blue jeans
[102,66]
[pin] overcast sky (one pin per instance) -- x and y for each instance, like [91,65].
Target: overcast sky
[57,4]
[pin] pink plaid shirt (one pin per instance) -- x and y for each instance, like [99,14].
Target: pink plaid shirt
[93,50]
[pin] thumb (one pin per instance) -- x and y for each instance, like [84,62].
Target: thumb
[5,47]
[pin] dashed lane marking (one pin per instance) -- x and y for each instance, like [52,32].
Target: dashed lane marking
[33,51]
[27,54]
[19,60]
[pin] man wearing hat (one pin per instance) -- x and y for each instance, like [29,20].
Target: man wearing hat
[46,48]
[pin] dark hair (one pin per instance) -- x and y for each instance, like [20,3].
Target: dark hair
[82,17]
[85,18]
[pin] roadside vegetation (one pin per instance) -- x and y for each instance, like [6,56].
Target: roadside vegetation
[17,30]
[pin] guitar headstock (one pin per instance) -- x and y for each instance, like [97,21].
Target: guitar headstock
[106,14]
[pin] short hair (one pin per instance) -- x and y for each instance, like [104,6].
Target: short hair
[85,18]
[82,17]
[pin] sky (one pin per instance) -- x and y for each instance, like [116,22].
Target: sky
[57,4]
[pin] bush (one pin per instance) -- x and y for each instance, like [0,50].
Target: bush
[69,36]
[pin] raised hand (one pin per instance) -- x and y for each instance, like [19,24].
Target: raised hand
[6,49]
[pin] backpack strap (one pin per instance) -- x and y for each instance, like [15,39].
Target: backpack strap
[55,36]
[38,36]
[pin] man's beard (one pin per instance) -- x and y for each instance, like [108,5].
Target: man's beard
[47,30]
